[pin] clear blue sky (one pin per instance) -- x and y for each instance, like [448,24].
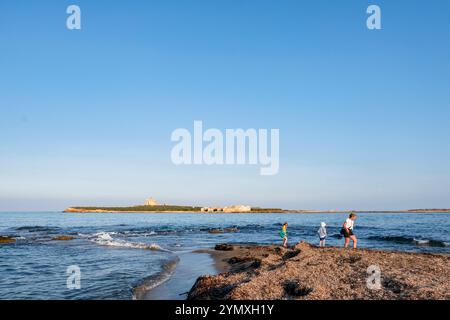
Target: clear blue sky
[86,116]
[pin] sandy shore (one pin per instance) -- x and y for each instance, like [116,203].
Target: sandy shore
[191,266]
[308,272]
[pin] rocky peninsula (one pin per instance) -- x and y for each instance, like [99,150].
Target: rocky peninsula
[308,272]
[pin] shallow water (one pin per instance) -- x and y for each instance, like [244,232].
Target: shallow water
[122,255]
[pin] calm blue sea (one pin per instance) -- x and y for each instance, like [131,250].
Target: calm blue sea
[120,254]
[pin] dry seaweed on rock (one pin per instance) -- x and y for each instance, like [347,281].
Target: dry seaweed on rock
[308,272]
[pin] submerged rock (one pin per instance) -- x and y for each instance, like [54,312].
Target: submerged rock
[6,239]
[225,230]
[63,238]
[215,231]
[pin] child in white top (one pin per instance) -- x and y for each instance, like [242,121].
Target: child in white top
[322,234]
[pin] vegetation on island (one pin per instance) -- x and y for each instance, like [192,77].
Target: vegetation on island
[161,208]
[267,210]
[157,208]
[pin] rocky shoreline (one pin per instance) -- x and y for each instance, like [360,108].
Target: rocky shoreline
[308,272]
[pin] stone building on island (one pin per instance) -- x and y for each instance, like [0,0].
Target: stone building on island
[151,202]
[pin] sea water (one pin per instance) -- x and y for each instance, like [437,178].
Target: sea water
[121,256]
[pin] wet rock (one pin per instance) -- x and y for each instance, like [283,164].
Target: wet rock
[224,247]
[215,231]
[6,240]
[294,289]
[235,260]
[209,288]
[225,230]
[244,263]
[351,259]
[291,254]
[63,238]
[397,287]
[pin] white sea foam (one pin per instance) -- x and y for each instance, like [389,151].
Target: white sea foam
[421,242]
[136,234]
[84,235]
[105,239]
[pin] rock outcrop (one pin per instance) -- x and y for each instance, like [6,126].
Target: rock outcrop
[308,272]
[225,230]
[6,240]
[63,238]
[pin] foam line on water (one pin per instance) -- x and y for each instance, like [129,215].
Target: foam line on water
[105,239]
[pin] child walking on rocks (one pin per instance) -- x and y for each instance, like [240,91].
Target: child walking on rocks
[322,234]
[283,234]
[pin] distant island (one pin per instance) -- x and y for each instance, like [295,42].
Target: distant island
[151,205]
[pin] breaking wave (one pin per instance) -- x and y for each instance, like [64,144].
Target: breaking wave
[105,239]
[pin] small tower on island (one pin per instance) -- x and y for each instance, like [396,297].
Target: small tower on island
[151,202]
